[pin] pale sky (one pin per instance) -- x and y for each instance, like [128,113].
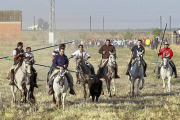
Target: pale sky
[118,14]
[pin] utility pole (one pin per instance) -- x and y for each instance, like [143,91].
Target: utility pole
[103,23]
[170,23]
[161,22]
[90,22]
[52,22]
[34,23]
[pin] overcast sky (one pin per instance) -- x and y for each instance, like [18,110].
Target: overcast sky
[118,14]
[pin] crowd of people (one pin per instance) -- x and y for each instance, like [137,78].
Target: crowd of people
[118,43]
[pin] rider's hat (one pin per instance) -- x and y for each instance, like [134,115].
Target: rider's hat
[166,43]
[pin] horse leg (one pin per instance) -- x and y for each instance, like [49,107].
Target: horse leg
[84,86]
[22,92]
[164,84]
[142,84]
[133,86]
[25,94]
[169,84]
[89,86]
[114,85]
[130,85]
[54,100]
[64,96]
[109,90]
[59,100]
[14,90]
[138,87]
[102,93]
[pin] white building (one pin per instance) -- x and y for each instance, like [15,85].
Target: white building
[33,27]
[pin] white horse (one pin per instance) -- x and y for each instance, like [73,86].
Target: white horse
[60,86]
[109,73]
[137,72]
[166,72]
[22,81]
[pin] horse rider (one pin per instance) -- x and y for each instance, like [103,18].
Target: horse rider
[18,55]
[133,56]
[30,55]
[55,52]
[86,56]
[104,50]
[167,51]
[60,62]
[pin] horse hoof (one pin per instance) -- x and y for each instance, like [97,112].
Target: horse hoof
[56,105]
[54,102]
[102,93]
[114,94]
[140,88]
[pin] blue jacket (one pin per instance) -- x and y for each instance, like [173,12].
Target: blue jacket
[60,61]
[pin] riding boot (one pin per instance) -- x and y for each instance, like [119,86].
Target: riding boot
[51,91]
[158,76]
[129,67]
[145,70]
[35,80]
[12,78]
[116,75]
[71,86]
[175,72]
[78,80]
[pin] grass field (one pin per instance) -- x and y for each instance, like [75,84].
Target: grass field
[153,102]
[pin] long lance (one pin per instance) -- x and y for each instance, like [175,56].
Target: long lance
[39,49]
[38,64]
[160,47]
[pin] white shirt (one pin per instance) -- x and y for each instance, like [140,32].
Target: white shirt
[78,53]
[55,52]
[29,55]
[82,42]
[119,42]
[179,31]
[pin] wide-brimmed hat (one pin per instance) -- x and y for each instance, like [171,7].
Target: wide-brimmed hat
[166,43]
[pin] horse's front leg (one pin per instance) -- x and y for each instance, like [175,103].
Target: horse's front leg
[54,100]
[164,84]
[169,84]
[142,84]
[108,86]
[28,92]
[133,80]
[130,84]
[14,90]
[89,87]
[64,96]
[114,86]
[84,86]
[138,87]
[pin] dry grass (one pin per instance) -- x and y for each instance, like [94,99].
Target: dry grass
[152,103]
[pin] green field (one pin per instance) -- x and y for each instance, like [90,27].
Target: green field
[153,103]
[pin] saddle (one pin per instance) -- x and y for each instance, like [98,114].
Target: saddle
[134,61]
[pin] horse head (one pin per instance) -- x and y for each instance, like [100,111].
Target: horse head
[61,75]
[139,57]
[112,59]
[165,61]
[79,61]
[27,63]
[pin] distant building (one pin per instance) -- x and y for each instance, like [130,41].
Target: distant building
[33,27]
[10,25]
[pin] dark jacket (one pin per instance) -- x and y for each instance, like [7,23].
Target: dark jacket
[106,48]
[60,61]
